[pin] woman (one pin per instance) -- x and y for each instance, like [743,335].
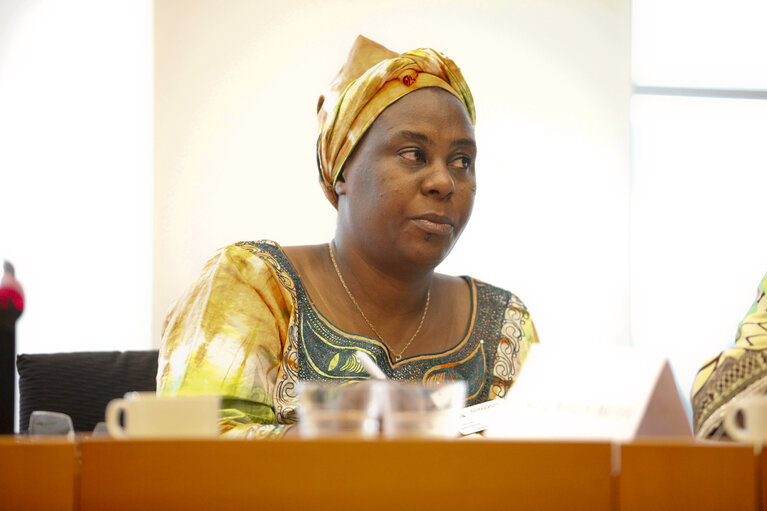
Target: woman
[396,156]
[739,371]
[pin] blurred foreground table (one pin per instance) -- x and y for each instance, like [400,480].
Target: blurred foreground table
[344,475]
[101,474]
[37,473]
[670,476]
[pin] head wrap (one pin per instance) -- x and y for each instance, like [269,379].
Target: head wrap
[373,78]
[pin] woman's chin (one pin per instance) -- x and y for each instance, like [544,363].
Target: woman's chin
[429,253]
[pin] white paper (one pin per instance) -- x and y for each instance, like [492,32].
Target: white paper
[610,393]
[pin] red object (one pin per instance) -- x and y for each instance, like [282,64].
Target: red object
[11,294]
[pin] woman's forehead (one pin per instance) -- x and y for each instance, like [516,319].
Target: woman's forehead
[427,108]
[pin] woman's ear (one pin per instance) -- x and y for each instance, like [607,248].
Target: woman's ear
[329,192]
[340,186]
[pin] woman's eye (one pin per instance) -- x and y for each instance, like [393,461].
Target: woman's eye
[463,162]
[414,155]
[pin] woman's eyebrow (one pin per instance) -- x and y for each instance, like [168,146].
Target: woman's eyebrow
[415,136]
[464,142]
[424,139]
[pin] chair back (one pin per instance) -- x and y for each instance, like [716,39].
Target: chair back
[81,384]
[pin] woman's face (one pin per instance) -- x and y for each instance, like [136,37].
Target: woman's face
[407,191]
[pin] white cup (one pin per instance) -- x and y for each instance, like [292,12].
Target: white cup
[147,415]
[754,413]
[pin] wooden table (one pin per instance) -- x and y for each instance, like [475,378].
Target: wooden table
[37,473]
[671,476]
[101,474]
[344,475]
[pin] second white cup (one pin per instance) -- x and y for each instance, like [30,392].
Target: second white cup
[753,409]
[147,415]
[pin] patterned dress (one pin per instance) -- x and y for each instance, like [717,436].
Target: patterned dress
[248,331]
[739,371]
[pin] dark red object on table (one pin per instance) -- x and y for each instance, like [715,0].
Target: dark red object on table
[11,307]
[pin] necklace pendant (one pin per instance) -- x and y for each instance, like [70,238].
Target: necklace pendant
[397,357]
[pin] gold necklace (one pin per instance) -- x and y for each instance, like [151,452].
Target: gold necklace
[397,357]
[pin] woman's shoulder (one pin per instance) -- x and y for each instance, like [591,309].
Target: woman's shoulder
[245,249]
[253,262]
[715,389]
[496,295]
[261,254]
[271,252]
[503,320]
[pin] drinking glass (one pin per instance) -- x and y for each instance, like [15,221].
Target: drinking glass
[330,410]
[422,411]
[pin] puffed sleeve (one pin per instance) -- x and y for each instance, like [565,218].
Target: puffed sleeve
[518,334]
[740,370]
[225,337]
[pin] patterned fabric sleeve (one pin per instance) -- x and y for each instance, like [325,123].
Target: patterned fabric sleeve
[518,334]
[226,336]
[741,370]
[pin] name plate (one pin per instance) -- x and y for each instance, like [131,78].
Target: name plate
[476,418]
[600,393]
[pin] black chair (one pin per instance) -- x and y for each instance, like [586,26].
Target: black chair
[81,384]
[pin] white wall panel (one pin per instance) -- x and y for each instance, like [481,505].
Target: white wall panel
[76,170]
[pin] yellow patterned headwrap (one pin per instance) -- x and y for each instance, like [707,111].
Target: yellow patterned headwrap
[373,78]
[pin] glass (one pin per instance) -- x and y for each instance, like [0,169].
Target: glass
[414,410]
[330,410]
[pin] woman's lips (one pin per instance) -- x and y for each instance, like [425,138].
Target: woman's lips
[433,225]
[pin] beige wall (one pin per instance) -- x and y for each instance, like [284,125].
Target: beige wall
[236,85]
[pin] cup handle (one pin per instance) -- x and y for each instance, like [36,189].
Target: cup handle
[112,418]
[731,425]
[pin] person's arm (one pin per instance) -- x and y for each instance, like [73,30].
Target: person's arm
[226,336]
[740,370]
[518,332]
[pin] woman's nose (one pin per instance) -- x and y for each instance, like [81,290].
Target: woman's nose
[438,181]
